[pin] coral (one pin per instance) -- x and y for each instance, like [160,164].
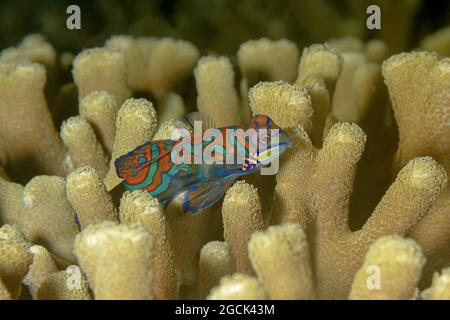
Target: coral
[215,262]
[29,138]
[419,85]
[217,97]
[101,69]
[42,266]
[67,284]
[440,287]
[363,190]
[14,261]
[399,264]
[100,108]
[88,196]
[118,260]
[139,207]
[82,145]
[242,216]
[238,286]
[135,125]
[269,60]
[281,260]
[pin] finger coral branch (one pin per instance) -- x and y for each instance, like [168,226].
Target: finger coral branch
[118,260]
[48,218]
[170,61]
[14,260]
[333,176]
[90,199]
[101,69]
[4,293]
[28,134]
[172,107]
[139,207]
[391,270]
[288,105]
[135,125]
[242,215]
[440,287]
[418,86]
[83,146]
[217,97]
[269,60]
[238,286]
[290,204]
[187,245]
[355,87]
[438,42]
[409,198]
[318,71]
[99,108]
[33,48]
[280,256]
[68,284]
[41,267]
[215,263]
[136,52]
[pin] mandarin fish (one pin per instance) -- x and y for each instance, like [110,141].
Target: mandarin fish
[200,166]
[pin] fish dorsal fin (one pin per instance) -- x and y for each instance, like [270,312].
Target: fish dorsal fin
[186,125]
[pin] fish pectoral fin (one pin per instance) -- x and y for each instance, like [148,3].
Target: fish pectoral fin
[204,194]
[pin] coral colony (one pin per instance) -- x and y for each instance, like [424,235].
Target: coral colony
[358,209]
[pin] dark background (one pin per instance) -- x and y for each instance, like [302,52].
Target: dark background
[212,25]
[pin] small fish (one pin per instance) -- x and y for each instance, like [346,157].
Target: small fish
[158,167]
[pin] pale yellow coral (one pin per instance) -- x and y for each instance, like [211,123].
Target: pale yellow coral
[438,42]
[14,261]
[42,266]
[101,69]
[33,48]
[100,108]
[135,125]
[269,60]
[318,71]
[83,146]
[286,104]
[118,260]
[215,262]
[242,216]
[169,62]
[391,270]
[139,207]
[68,284]
[217,97]
[280,256]
[48,218]
[419,86]
[89,198]
[238,287]
[440,287]
[28,134]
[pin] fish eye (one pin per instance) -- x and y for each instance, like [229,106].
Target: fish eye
[265,139]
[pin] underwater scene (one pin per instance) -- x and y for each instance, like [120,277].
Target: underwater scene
[225,150]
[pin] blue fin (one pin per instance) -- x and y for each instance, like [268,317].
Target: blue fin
[204,194]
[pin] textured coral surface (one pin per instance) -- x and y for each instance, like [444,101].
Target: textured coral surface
[360,206]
